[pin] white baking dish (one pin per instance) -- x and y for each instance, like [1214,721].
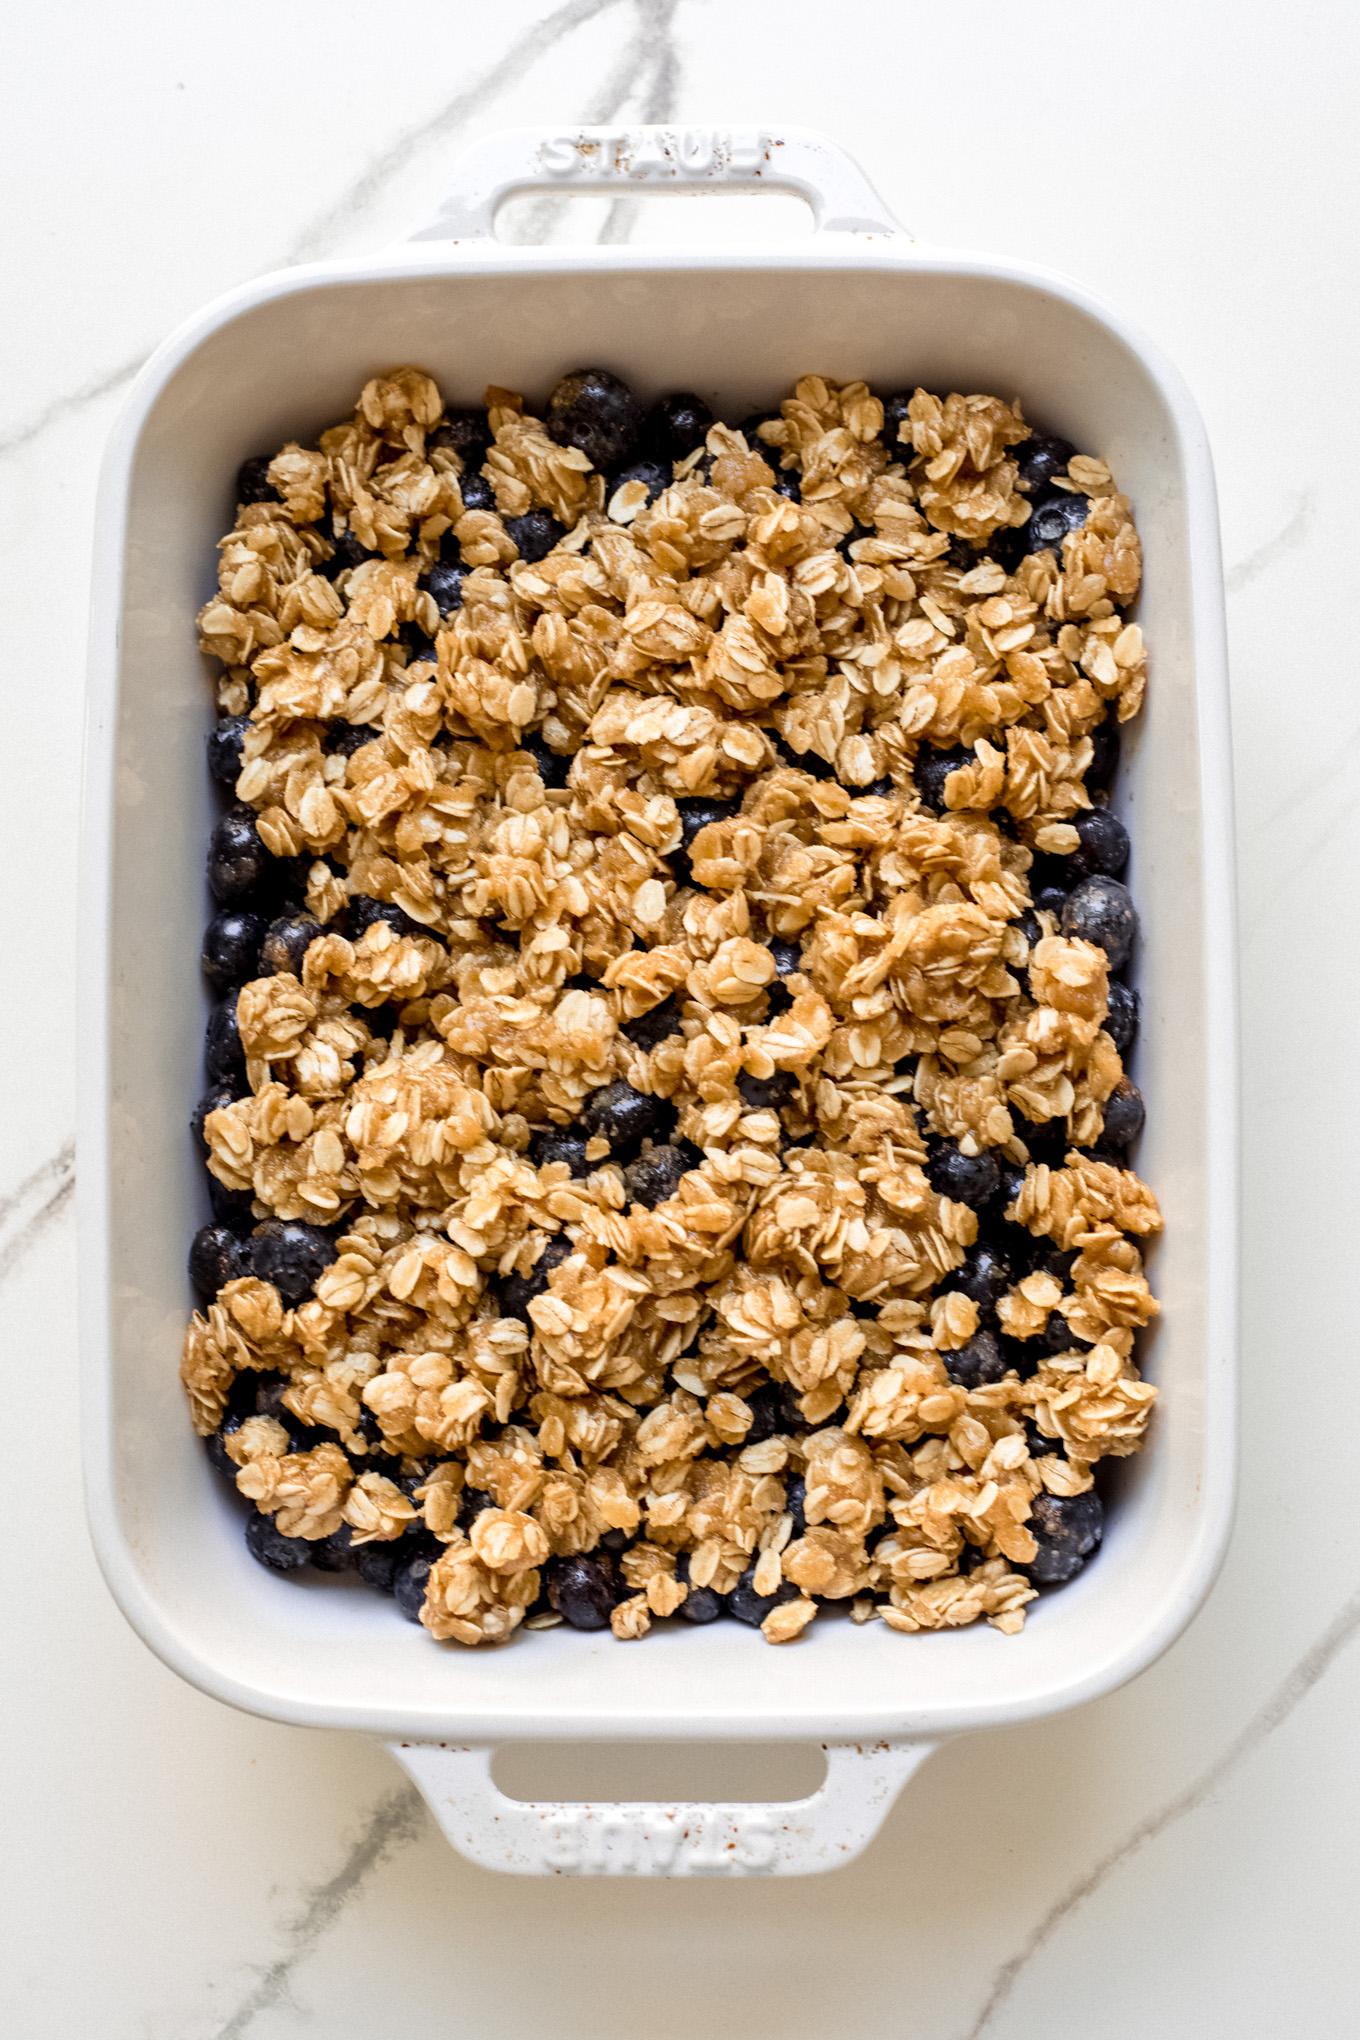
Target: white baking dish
[283,357]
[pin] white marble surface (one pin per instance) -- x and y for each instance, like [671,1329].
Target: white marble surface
[1178,1859]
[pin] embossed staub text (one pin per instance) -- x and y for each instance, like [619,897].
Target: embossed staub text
[656,154]
[587,1843]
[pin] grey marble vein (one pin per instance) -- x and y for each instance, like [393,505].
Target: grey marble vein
[67,406]
[1294,1688]
[393,1825]
[28,1212]
[1293,533]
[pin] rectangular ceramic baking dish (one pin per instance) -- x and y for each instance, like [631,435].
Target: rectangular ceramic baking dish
[283,357]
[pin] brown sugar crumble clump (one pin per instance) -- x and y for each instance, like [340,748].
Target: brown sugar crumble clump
[668,1150]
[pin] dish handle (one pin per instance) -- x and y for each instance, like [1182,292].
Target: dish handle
[790,1838]
[646,160]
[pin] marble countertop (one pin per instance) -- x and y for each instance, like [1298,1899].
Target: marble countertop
[1176,1859]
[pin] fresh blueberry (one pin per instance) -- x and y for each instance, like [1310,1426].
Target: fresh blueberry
[286,943]
[211,1101]
[856,532]
[466,431]
[879,788]
[965,1179]
[535,534]
[649,1030]
[1055,1336]
[216,1257]
[551,766]
[1121,1018]
[788,957]
[795,1500]
[788,482]
[291,1255]
[337,1552]
[471,1503]
[763,1404]
[1040,458]
[1103,851]
[791,1416]
[234,1209]
[1067,1529]
[477,492]
[933,768]
[224,748]
[894,418]
[409,1583]
[1105,746]
[270,1390]
[346,553]
[344,739]
[624,1117]
[517,1292]
[596,412]
[216,1444]
[252,481]
[1040,1445]
[420,649]
[223,1056]
[444,580]
[655,1176]
[985,1276]
[749,1606]
[655,478]
[281,1554]
[766,1094]
[978,1364]
[1056,1261]
[697,813]
[1052,518]
[1102,911]
[560,1144]
[584,1590]
[1124,1115]
[363,912]
[237,859]
[231,947]
[810,762]
[614,1540]
[962,556]
[675,425]
[378,1564]
[701,1604]
[1050,899]
[1007,547]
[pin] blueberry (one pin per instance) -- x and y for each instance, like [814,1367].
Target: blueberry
[649,1030]
[810,762]
[894,418]
[788,957]
[216,1444]
[1067,1529]
[409,1583]
[763,1404]
[614,1540]
[700,1604]
[1050,899]
[749,1606]
[517,1292]
[471,1503]
[216,1257]
[420,649]
[551,766]
[676,425]
[291,1255]
[655,1176]
[466,431]
[231,946]
[223,1055]
[977,1364]
[788,482]
[1051,519]
[1057,1261]
[1102,911]
[1040,1445]
[234,1209]
[344,739]
[965,1179]
[211,1101]
[346,553]
[1105,746]
[795,1501]
[477,492]
[655,478]
[1121,1018]
[880,788]
[224,748]
[286,943]
[252,481]
[931,770]
[336,1553]
[237,859]
[962,556]
[623,1116]
[444,580]
[378,1564]
[560,1144]
[270,1390]
[596,412]
[1007,547]
[1124,1115]
[535,534]
[792,1417]
[856,532]
[766,1094]
[696,813]
[363,912]
[1040,458]
[584,1590]
[1103,851]
[985,1276]
[281,1554]
[1055,1336]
